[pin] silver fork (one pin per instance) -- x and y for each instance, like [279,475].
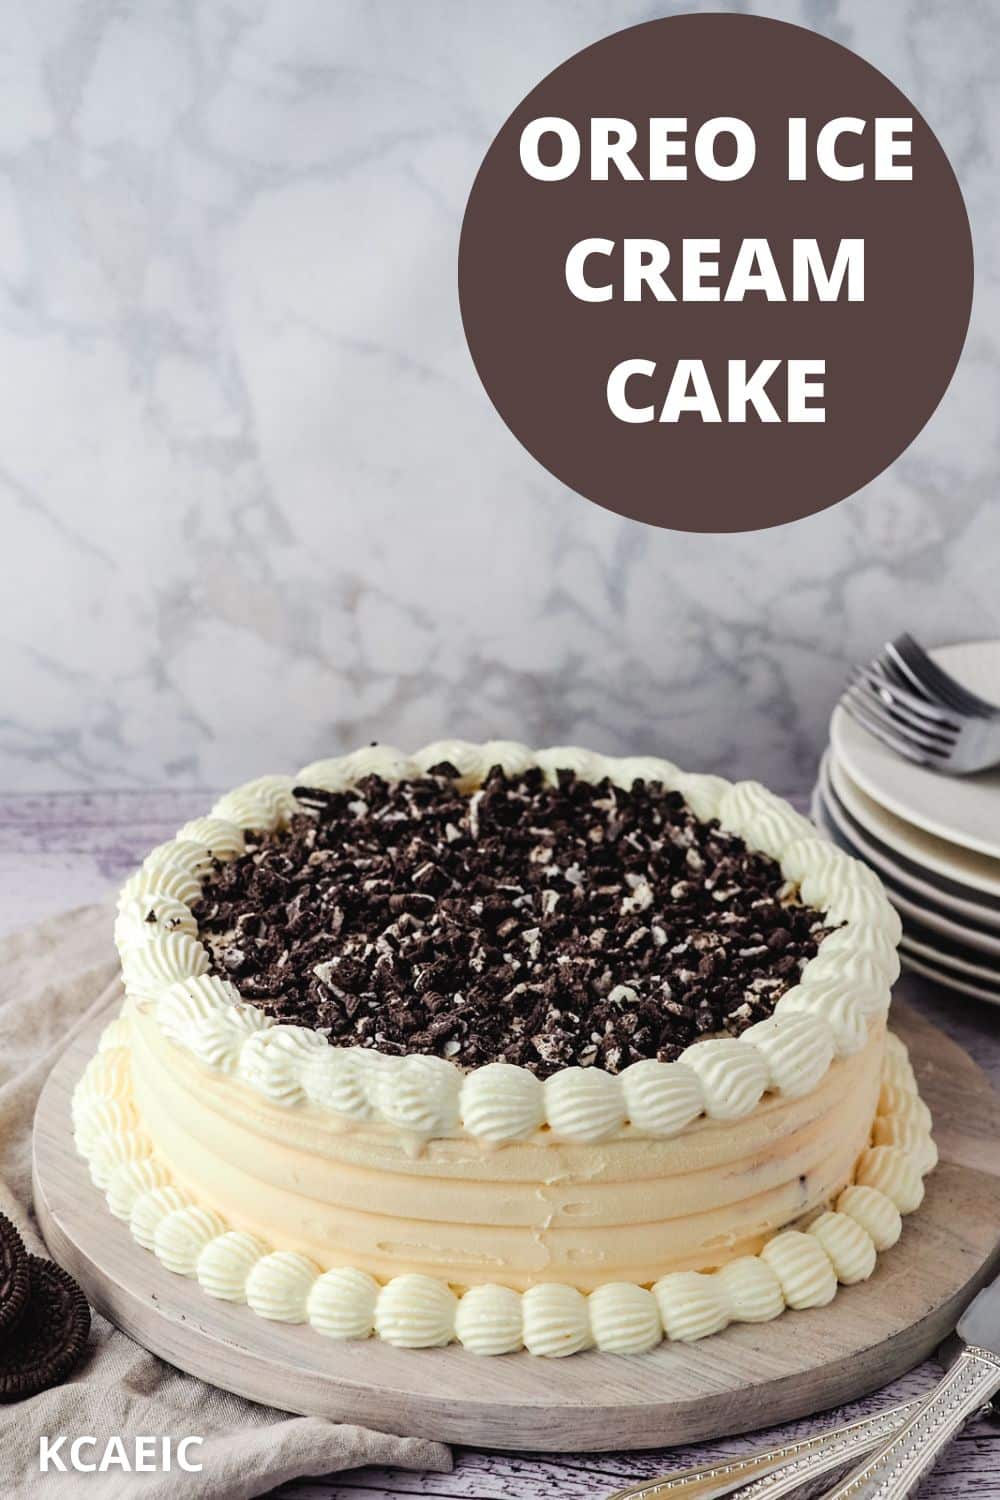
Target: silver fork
[780,1470]
[895,701]
[915,665]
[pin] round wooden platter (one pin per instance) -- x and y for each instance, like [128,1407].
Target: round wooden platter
[746,1377]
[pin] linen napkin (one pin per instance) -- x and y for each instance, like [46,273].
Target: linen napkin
[54,979]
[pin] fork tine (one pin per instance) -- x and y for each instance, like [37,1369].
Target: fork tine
[898,746]
[908,720]
[883,728]
[915,661]
[933,744]
[940,683]
[894,744]
[913,677]
[889,665]
[930,714]
[896,678]
[915,738]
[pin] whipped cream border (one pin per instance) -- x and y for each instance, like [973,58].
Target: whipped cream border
[797,1268]
[824,1016]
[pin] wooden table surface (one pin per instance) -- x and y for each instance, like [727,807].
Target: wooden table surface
[65,849]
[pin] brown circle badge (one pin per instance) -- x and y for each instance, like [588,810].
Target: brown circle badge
[715,272]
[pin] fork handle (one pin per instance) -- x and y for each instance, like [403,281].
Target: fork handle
[776,1471]
[900,1463]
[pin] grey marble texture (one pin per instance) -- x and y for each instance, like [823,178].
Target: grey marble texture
[256,505]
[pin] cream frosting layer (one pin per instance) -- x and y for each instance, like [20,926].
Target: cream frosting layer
[627,1208]
[797,1267]
[822,1018]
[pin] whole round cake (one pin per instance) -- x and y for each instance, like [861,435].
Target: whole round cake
[523,1049]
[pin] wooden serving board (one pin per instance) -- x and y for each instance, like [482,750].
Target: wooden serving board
[746,1377]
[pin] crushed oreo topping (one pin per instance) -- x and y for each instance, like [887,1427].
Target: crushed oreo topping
[545,925]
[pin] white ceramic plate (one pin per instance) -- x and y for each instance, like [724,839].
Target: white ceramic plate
[962,809]
[950,962]
[950,981]
[973,941]
[922,958]
[978,873]
[920,886]
[965,921]
[921,923]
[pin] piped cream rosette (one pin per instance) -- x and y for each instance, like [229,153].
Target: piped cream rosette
[823,1017]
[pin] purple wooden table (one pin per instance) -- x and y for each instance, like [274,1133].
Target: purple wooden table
[65,849]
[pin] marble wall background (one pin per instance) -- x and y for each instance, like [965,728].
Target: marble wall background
[256,506]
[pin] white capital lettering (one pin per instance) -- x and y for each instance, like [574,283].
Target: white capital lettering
[808,267]
[698,399]
[704,148]
[145,1455]
[754,270]
[826,148]
[189,1466]
[745,391]
[48,1453]
[888,147]
[663,148]
[576,262]
[76,1448]
[618,395]
[611,141]
[796,148]
[569,153]
[800,388]
[644,264]
[114,1456]
[697,265]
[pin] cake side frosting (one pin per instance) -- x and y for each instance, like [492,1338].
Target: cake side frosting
[798,1267]
[824,1016]
[628,1208]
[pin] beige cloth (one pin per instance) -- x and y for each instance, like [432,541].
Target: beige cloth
[54,978]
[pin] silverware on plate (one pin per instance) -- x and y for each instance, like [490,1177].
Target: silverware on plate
[907,701]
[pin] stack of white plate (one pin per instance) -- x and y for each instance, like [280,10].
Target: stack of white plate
[934,840]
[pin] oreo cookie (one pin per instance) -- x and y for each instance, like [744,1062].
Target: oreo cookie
[13,1275]
[50,1335]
